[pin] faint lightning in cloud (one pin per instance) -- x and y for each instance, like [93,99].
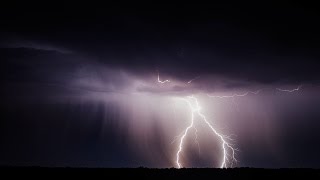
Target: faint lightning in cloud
[289,90]
[252,92]
[255,92]
[162,82]
[237,95]
[228,150]
[193,79]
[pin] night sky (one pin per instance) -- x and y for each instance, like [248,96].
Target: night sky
[79,83]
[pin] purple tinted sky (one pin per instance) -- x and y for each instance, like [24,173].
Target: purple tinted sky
[79,87]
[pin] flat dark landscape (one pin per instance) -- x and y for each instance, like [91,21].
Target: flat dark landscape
[187,173]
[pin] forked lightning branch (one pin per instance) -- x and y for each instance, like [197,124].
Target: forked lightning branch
[228,158]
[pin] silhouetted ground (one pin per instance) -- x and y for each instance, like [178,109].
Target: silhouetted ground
[132,173]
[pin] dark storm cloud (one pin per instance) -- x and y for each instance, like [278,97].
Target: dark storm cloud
[265,43]
[54,56]
[38,67]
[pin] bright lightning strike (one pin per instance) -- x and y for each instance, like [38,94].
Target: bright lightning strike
[228,150]
[196,138]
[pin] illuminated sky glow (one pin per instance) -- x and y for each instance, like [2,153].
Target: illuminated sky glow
[187,85]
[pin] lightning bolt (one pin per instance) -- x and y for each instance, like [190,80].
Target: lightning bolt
[289,90]
[252,92]
[196,138]
[228,150]
[237,95]
[255,92]
[228,158]
[162,82]
[193,79]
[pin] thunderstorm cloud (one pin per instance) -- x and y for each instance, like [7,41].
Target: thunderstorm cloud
[90,89]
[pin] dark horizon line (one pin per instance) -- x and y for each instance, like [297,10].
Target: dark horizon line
[142,167]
